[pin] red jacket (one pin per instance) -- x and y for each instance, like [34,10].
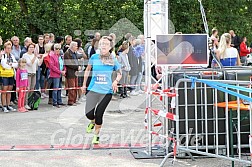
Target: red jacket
[54,65]
[243,49]
[47,61]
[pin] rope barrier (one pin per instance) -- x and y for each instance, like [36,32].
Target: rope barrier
[73,88]
[34,90]
[224,88]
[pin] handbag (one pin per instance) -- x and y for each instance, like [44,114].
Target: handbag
[6,72]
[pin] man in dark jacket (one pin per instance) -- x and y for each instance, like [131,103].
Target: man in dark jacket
[235,42]
[68,39]
[71,63]
[27,42]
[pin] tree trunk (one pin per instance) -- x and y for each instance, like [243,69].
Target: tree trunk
[24,9]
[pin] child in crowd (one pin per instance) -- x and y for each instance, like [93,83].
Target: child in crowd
[21,84]
[124,61]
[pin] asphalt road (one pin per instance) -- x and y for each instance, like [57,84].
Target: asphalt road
[36,138]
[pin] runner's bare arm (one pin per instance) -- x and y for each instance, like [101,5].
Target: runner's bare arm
[116,81]
[119,75]
[86,75]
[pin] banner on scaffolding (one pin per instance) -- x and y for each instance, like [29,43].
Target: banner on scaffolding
[182,50]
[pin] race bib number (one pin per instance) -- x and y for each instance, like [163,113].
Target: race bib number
[24,76]
[101,79]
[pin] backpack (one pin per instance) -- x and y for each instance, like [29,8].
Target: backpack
[34,100]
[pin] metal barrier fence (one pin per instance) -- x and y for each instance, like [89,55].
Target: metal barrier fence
[212,122]
[213,137]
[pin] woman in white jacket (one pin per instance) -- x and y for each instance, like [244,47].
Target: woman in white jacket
[8,63]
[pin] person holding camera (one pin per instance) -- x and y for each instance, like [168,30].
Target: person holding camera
[8,65]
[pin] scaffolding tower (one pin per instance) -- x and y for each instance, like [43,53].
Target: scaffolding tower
[159,119]
[156,22]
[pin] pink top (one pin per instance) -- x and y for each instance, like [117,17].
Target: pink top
[54,66]
[21,78]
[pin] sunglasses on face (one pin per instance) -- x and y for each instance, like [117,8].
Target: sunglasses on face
[57,48]
[107,37]
[105,44]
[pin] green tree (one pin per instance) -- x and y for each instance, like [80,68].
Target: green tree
[31,17]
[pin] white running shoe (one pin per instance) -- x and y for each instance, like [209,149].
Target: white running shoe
[11,108]
[5,109]
[44,95]
[134,93]
[140,92]
[114,98]
[27,107]
[83,98]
